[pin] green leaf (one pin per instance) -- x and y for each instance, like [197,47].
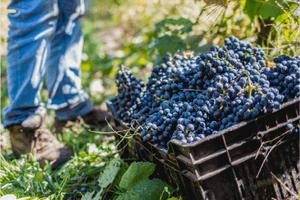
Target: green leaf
[136,172]
[251,8]
[271,8]
[145,190]
[88,196]
[123,169]
[267,8]
[169,43]
[110,172]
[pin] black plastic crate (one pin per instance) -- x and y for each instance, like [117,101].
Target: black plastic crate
[256,159]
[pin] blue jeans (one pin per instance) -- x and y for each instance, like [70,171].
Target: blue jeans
[45,41]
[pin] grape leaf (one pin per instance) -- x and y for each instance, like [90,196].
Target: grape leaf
[271,8]
[136,172]
[168,43]
[250,8]
[146,190]
[88,196]
[109,173]
[267,8]
[108,176]
[91,196]
[121,172]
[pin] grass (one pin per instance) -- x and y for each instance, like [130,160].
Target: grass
[94,172]
[24,178]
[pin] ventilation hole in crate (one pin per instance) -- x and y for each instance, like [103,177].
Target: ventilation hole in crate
[261,126]
[244,151]
[291,114]
[243,133]
[271,121]
[213,165]
[280,119]
[207,148]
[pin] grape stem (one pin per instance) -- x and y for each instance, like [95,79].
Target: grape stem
[250,87]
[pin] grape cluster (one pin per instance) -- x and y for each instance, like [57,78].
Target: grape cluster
[130,92]
[188,98]
[286,76]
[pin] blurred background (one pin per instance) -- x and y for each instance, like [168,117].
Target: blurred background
[137,33]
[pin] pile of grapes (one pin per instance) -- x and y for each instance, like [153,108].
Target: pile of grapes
[188,98]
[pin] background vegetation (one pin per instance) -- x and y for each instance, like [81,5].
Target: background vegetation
[137,33]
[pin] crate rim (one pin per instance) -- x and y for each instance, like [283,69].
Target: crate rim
[209,137]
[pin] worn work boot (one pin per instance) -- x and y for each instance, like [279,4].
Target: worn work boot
[96,118]
[41,143]
[33,122]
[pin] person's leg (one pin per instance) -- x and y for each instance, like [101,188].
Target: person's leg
[66,95]
[32,24]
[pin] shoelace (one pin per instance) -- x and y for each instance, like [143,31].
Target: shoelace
[41,136]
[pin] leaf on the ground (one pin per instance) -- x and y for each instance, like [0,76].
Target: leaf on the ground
[108,176]
[121,172]
[91,196]
[136,172]
[87,196]
[110,172]
[146,190]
